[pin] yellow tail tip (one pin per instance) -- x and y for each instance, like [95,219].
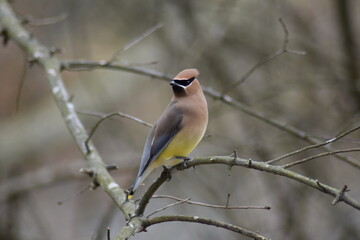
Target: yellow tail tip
[130,196]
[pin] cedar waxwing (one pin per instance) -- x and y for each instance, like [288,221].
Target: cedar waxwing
[179,129]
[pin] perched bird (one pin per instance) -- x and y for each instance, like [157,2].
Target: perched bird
[179,129]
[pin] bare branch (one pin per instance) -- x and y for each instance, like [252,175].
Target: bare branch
[227,207]
[20,87]
[86,65]
[266,59]
[105,219]
[228,199]
[277,170]
[319,156]
[45,21]
[332,140]
[168,206]
[165,175]
[109,115]
[108,234]
[135,41]
[84,189]
[106,116]
[206,221]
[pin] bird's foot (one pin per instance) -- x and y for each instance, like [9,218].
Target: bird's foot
[185,160]
[167,173]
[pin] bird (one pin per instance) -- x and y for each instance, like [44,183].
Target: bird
[179,128]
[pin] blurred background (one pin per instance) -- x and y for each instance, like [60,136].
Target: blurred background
[317,93]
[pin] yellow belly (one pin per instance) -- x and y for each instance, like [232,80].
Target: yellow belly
[180,146]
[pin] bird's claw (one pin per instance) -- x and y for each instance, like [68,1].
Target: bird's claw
[186,160]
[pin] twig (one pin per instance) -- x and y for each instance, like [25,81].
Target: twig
[206,221]
[21,85]
[109,115]
[266,59]
[340,195]
[45,21]
[168,206]
[108,234]
[106,116]
[142,63]
[313,146]
[227,207]
[165,175]
[135,41]
[228,200]
[61,202]
[319,156]
[104,220]
[86,65]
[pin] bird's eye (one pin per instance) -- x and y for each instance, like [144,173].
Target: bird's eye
[185,83]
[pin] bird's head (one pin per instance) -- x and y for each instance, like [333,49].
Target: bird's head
[185,83]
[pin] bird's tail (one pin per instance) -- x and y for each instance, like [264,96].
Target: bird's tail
[139,180]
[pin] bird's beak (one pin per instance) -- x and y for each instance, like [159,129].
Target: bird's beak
[174,84]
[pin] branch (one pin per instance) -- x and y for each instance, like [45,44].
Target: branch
[124,115]
[227,207]
[51,65]
[44,21]
[106,116]
[20,87]
[169,206]
[332,140]
[277,170]
[319,156]
[266,59]
[135,41]
[165,175]
[206,221]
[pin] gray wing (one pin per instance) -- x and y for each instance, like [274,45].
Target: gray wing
[168,125]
